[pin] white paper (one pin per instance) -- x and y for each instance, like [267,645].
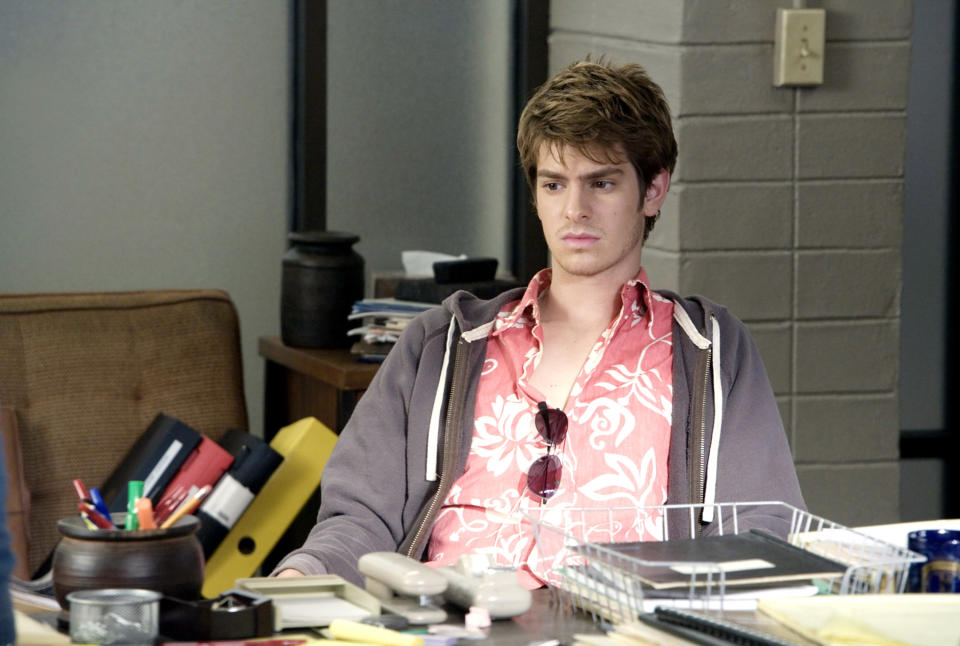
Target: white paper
[420,263]
[317,611]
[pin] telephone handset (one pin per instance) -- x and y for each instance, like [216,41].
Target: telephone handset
[474,582]
[404,586]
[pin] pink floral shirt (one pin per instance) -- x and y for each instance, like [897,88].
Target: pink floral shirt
[613,458]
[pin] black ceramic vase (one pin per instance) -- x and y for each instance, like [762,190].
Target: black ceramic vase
[322,279]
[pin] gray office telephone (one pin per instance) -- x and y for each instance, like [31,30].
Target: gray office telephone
[406,587]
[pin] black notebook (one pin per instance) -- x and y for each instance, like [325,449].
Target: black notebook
[754,558]
[254,463]
[154,458]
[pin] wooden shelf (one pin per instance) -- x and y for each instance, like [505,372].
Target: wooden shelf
[337,368]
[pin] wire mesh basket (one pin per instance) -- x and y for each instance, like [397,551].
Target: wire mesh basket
[573,548]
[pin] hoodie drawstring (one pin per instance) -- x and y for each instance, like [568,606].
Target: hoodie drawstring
[433,433]
[710,489]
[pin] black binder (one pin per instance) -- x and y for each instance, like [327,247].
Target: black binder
[254,462]
[155,458]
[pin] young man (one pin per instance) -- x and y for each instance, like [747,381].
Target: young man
[586,390]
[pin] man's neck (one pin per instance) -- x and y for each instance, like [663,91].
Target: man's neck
[583,302]
[574,311]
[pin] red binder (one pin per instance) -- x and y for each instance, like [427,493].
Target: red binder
[203,467]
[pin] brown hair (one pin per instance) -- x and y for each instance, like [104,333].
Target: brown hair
[600,109]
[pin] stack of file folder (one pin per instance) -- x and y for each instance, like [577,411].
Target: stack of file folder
[378,323]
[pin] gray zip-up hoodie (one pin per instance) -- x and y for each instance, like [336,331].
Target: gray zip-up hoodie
[409,437]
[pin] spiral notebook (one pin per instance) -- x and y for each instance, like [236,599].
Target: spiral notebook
[709,631]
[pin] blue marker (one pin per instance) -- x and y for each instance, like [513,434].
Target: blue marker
[99,503]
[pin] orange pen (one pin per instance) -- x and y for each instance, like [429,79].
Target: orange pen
[145,513]
[188,506]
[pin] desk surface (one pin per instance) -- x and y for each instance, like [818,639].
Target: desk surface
[545,620]
[548,618]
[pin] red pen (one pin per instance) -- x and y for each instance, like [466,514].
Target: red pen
[95,516]
[263,642]
[81,490]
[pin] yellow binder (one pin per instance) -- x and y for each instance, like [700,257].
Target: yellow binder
[305,446]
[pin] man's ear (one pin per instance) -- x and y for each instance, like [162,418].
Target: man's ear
[656,193]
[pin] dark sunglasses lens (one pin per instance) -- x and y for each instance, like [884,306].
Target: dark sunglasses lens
[543,478]
[552,425]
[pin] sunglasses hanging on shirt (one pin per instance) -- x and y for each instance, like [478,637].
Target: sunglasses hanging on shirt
[543,476]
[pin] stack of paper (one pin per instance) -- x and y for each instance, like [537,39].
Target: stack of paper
[32,632]
[871,619]
[381,321]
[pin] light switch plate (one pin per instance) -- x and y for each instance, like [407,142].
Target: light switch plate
[799,47]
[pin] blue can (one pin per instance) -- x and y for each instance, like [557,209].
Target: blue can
[941,571]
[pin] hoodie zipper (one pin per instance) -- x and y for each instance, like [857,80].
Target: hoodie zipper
[451,446]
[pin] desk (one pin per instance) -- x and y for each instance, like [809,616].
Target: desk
[546,619]
[550,617]
[303,382]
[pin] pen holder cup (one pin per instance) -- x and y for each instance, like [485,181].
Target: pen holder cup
[169,561]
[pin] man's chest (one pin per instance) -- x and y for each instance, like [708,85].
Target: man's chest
[560,362]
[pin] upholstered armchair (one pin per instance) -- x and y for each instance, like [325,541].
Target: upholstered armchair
[83,374]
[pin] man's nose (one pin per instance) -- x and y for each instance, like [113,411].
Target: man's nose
[577,205]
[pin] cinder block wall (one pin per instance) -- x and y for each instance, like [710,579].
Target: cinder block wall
[786,206]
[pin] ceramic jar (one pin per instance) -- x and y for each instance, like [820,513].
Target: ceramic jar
[322,279]
[169,561]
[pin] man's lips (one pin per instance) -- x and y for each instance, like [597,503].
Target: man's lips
[575,239]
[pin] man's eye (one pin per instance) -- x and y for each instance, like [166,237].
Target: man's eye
[603,183]
[551,186]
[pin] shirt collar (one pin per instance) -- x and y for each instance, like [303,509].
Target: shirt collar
[635,294]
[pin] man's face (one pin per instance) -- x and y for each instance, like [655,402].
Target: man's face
[592,213]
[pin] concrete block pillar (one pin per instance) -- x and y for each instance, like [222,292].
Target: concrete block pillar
[786,206]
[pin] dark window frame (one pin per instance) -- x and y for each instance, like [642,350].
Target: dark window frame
[944,444]
[309,122]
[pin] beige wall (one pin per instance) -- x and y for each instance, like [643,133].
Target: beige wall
[420,133]
[786,206]
[146,145]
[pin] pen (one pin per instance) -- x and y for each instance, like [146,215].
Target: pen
[100,504]
[80,489]
[86,521]
[171,502]
[188,505]
[265,642]
[95,516]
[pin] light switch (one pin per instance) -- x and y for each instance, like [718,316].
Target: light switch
[799,47]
